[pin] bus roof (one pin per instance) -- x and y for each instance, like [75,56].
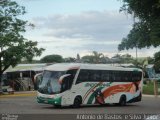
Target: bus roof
[67,66]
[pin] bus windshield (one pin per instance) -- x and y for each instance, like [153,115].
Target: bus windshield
[50,84]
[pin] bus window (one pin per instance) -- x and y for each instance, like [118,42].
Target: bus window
[126,76]
[111,76]
[136,76]
[94,76]
[105,75]
[83,76]
[117,76]
[129,76]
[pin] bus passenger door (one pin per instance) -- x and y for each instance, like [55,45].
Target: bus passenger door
[66,88]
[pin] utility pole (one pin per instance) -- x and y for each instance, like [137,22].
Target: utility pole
[136,43]
[136,55]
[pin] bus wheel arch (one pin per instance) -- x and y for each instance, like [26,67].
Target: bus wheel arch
[123,100]
[77,101]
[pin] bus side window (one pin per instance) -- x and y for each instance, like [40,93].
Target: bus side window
[83,76]
[124,76]
[136,76]
[111,76]
[105,75]
[117,76]
[94,76]
[129,76]
[140,76]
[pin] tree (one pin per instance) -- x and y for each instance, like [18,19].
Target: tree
[70,59]
[126,58]
[116,58]
[95,58]
[13,46]
[87,59]
[150,60]
[52,59]
[29,62]
[146,30]
[157,61]
[78,59]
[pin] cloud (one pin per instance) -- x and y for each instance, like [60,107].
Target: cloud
[30,0]
[92,25]
[101,47]
[84,32]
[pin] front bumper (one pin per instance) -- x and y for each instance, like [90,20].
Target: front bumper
[53,101]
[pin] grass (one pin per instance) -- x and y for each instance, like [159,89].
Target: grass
[148,88]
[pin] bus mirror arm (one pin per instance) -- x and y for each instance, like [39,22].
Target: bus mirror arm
[61,79]
[39,75]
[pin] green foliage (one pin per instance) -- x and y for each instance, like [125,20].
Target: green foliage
[143,9]
[14,47]
[126,58]
[78,57]
[146,31]
[157,61]
[29,62]
[149,88]
[52,59]
[87,59]
[97,57]
[70,59]
[100,58]
[94,58]
[150,60]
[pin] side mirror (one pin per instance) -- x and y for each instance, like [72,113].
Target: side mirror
[61,79]
[38,79]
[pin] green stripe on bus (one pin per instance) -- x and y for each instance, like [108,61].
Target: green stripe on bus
[91,98]
[89,91]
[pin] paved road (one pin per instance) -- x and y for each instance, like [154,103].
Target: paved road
[28,105]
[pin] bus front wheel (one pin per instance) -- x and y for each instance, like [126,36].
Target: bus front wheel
[57,106]
[77,102]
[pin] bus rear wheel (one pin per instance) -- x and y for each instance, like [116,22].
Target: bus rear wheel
[77,102]
[122,101]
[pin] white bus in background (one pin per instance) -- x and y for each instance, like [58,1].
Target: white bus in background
[68,84]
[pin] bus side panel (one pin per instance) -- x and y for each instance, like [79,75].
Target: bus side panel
[102,92]
[110,94]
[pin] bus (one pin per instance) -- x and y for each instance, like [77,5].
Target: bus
[68,84]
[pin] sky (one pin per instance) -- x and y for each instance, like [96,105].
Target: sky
[69,27]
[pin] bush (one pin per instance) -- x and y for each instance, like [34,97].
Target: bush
[149,88]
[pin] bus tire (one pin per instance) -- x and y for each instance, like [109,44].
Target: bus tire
[77,102]
[57,106]
[122,101]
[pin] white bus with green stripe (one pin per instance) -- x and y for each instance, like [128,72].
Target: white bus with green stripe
[68,84]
